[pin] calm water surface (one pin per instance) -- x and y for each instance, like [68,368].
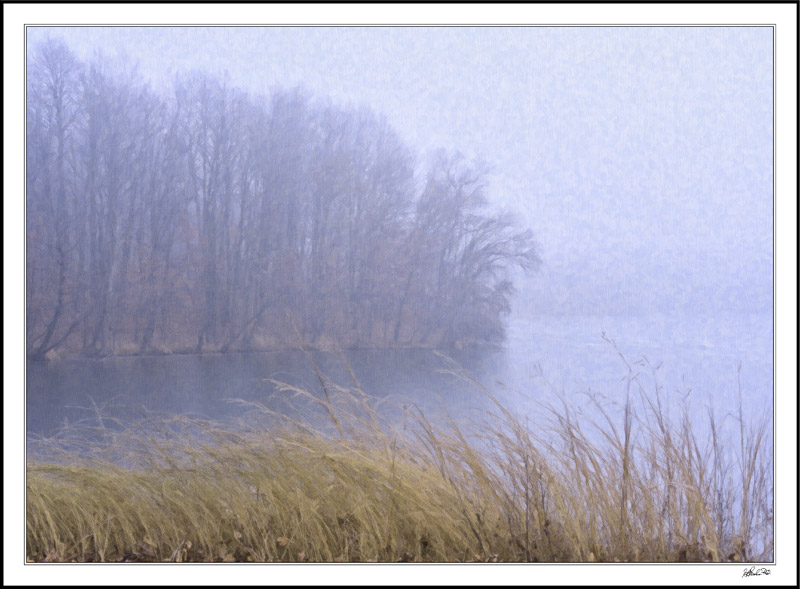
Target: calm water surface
[698,358]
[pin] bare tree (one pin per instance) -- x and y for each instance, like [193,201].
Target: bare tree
[467,275]
[216,221]
[52,108]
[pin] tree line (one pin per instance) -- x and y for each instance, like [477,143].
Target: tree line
[214,220]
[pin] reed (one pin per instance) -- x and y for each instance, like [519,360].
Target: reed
[600,480]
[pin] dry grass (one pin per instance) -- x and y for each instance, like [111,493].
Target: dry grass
[598,481]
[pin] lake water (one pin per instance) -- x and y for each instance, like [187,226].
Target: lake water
[543,357]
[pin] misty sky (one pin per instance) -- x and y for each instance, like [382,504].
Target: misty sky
[641,157]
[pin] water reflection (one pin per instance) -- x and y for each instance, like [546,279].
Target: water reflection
[73,392]
[691,360]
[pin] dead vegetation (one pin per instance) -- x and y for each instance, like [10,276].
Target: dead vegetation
[603,481]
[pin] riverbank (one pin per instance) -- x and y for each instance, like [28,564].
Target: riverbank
[623,484]
[325,346]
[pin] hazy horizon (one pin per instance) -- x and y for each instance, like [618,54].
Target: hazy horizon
[641,157]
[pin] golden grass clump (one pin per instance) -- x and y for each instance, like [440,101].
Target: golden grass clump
[587,484]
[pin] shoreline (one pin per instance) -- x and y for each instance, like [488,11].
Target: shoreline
[57,357]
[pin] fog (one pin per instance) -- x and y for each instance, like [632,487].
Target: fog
[636,165]
[640,157]
[570,225]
